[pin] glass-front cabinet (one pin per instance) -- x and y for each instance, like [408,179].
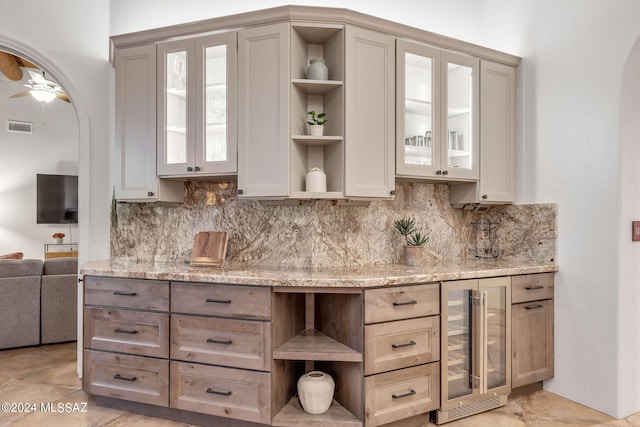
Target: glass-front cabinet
[437,113]
[476,343]
[196,109]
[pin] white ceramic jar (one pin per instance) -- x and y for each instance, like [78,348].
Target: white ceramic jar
[315,391]
[317,70]
[316,181]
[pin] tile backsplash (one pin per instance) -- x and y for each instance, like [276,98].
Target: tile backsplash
[324,233]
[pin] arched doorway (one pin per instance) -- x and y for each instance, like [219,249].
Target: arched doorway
[84,144]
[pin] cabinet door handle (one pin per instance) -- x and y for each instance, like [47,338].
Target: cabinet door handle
[392,192]
[240,191]
[407,344]
[221,393]
[189,169]
[126,294]
[218,301]
[485,197]
[197,168]
[120,377]
[214,341]
[438,172]
[398,304]
[534,288]
[534,307]
[150,194]
[125,331]
[445,172]
[407,394]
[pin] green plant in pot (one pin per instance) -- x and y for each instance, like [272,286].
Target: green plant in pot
[414,239]
[316,123]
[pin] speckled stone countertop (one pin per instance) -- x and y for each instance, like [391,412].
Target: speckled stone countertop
[344,277]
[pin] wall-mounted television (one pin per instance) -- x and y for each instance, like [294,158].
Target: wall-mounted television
[57,201]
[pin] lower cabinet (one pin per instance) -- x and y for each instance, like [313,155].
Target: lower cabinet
[532,329]
[237,351]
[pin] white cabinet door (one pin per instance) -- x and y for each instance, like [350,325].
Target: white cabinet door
[459,137]
[370,114]
[197,107]
[263,111]
[135,136]
[497,132]
[418,110]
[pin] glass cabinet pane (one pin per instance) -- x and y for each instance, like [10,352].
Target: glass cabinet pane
[459,345]
[176,108]
[216,104]
[496,337]
[459,129]
[418,107]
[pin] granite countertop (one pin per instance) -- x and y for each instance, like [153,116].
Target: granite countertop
[354,277]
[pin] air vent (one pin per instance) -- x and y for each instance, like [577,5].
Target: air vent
[19,127]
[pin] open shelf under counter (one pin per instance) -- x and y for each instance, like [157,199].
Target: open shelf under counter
[316,140]
[316,87]
[292,415]
[311,344]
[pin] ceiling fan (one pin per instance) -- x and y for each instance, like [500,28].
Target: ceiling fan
[42,89]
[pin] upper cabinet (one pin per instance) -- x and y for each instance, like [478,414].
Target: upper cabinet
[437,114]
[136,178]
[197,106]
[497,140]
[232,95]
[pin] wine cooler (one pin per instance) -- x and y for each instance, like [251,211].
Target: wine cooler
[476,347]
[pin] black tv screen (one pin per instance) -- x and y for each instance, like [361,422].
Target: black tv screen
[57,199]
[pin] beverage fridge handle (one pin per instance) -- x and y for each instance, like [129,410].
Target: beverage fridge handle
[484,338]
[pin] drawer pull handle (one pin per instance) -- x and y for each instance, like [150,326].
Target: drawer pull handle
[126,294]
[397,304]
[218,301]
[221,393]
[534,307]
[125,331]
[407,344]
[120,377]
[211,340]
[407,394]
[534,288]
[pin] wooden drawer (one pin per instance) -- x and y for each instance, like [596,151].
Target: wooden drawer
[248,302]
[383,305]
[531,287]
[401,344]
[126,293]
[225,392]
[401,394]
[126,331]
[136,378]
[228,342]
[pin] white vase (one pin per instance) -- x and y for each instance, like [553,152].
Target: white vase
[316,181]
[58,240]
[316,130]
[317,70]
[315,391]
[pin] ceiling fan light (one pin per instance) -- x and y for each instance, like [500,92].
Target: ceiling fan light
[43,95]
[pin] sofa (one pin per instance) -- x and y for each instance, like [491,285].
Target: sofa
[38,301]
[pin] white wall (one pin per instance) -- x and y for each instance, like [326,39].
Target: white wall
[70,39]
[51,149]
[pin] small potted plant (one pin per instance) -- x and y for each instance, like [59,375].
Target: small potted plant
[316,123]
[414,239]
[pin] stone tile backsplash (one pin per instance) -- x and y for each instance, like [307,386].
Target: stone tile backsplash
[324,233]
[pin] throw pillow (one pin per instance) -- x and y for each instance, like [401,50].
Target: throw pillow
[14,255]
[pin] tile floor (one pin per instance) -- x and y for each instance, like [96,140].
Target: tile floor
[46,374]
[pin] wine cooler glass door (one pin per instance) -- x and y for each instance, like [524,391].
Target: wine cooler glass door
[497,331]
[459,345]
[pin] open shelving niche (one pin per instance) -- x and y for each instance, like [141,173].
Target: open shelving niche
[318,331]
[310,41]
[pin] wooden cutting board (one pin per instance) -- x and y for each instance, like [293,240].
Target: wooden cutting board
[209,249]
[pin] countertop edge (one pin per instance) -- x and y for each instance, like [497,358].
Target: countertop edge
[340,277]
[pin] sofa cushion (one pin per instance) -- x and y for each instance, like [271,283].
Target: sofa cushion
[20,267]
[55,266]
[14,255]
